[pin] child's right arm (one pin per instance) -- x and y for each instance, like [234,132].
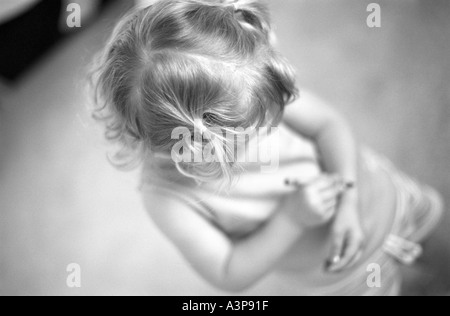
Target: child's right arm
[231,266]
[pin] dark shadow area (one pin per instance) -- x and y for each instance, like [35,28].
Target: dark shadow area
[27,37]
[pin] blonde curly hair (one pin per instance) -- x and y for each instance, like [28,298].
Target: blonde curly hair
[185,63]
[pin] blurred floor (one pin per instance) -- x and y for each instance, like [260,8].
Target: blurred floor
[62,203]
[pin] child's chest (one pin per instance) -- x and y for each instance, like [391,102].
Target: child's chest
[258,193]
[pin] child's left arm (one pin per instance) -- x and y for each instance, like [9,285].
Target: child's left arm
[312,118]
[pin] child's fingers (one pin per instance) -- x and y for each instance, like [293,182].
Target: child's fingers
[329,214]
[350,253]
[334,184]
[356,258]
[329,195]
[320,184]
[330,205]
[337,246]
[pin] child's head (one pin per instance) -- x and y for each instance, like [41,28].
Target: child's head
[196,64]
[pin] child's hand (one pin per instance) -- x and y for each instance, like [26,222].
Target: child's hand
[316,202]
[348,238]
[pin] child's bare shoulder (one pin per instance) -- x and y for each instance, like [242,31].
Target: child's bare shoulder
[156,200]
[167,209]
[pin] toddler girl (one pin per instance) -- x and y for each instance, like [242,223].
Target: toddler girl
[190,89]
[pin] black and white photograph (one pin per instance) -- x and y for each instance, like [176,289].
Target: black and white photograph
[228,155]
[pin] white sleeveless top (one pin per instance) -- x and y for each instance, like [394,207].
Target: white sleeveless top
[257,197]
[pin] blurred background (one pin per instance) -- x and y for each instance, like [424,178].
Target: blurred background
[62,203]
